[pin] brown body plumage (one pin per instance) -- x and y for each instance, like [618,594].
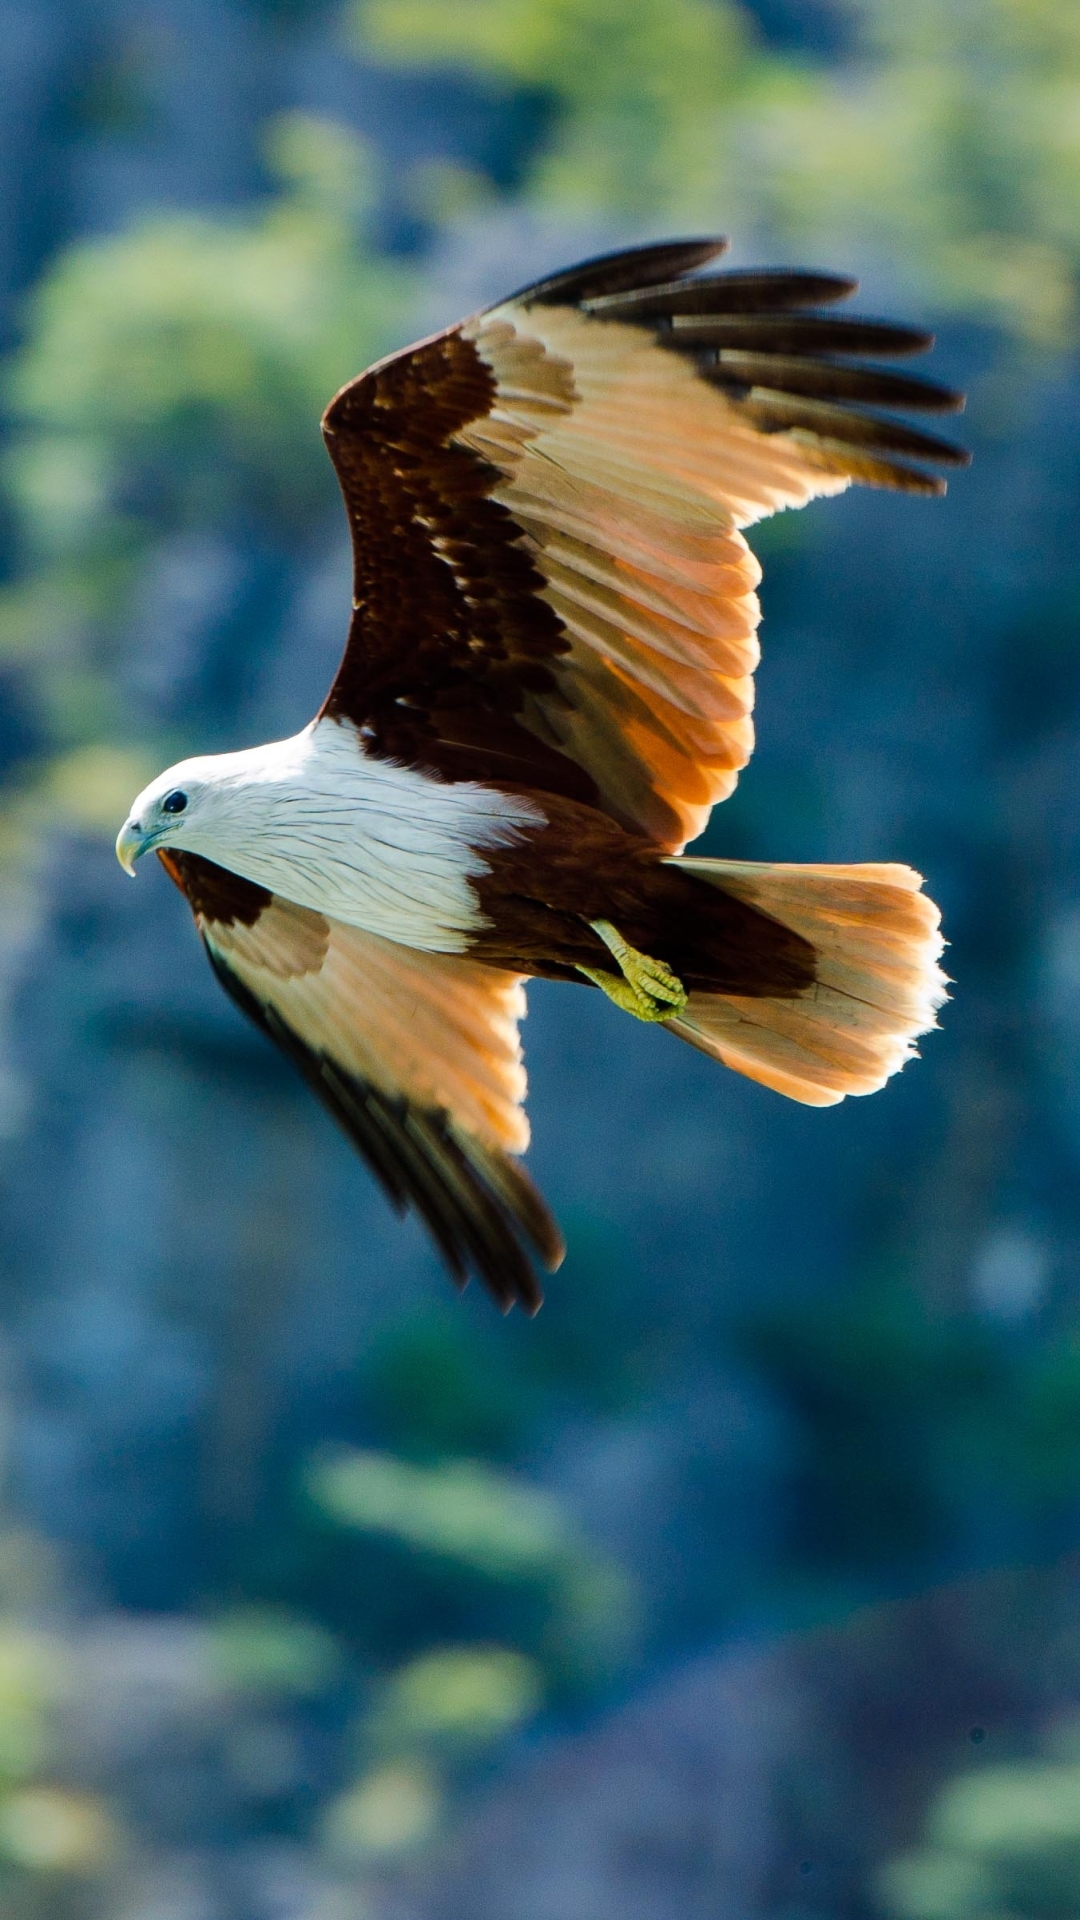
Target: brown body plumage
[541,896]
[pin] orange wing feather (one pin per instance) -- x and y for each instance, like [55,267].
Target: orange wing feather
[552,587]
[416,1055]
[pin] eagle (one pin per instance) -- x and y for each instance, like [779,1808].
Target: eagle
[546,687]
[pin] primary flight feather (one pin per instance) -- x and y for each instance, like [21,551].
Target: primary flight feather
[546,687]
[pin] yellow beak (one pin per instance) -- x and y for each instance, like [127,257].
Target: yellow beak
[130,842]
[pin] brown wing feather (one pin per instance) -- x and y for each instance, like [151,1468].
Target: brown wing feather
[448,627]
[551,584]
[416,1055]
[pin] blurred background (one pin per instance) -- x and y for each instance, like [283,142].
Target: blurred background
[745,1581]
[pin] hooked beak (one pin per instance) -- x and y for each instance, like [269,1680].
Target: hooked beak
[130,842]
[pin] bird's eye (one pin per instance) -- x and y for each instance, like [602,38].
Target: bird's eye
[174,802]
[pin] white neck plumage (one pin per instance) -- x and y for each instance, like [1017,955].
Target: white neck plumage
[378,845]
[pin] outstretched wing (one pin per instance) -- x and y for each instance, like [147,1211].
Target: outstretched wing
[416,1055]
[551,587]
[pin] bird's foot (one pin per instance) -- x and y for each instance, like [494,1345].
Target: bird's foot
[644,987]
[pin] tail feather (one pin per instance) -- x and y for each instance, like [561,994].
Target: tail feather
[878,985]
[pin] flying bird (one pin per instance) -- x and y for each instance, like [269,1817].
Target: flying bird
[546,687]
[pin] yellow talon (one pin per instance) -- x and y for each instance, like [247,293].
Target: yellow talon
[645,987]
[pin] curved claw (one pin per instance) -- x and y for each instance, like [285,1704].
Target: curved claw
[646,988]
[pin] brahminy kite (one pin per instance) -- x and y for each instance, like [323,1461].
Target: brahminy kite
[546,687]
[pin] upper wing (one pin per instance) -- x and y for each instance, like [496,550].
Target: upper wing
[550,582]
[415,1054]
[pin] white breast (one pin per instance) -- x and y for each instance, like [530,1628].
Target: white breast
[379,846]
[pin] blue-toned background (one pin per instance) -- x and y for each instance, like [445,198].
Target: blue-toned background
[739,1583]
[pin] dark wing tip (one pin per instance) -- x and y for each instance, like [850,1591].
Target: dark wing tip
[779,411]
[629,268]
[482,1210]
[794,331]
[474,1214]
[870,469]
[742,370]
[522,1199]
[761,335]
[741,290]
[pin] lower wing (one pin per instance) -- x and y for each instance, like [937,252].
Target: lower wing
[417,1057]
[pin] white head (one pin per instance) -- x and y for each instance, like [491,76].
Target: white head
[199,805]
[381,846]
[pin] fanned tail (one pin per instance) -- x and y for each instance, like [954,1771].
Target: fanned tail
[877,944]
